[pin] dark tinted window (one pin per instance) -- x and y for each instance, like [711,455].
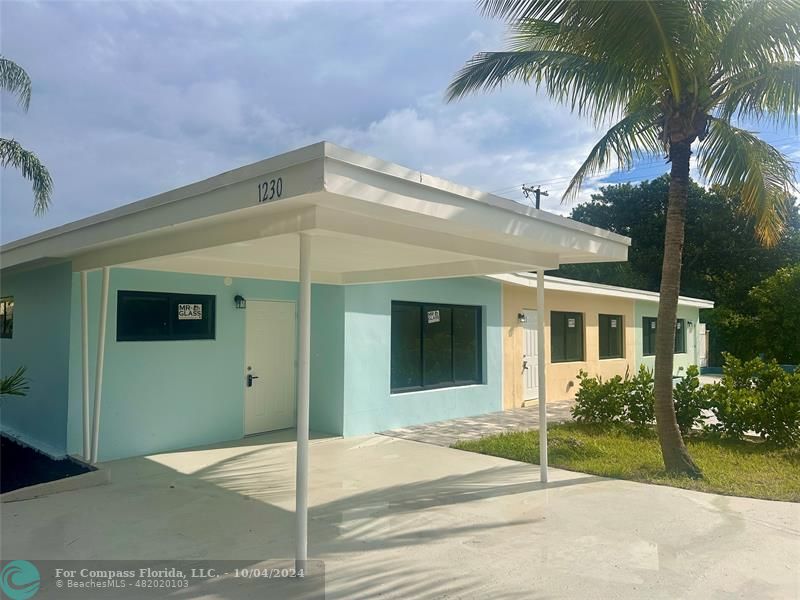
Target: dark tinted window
[435,345]
[160,316]
[611,336]
[649,335]
[680,336]
[566,336]
[7,317]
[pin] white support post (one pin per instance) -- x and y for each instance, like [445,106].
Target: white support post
[101,354]
[303,392]
[542,377]
[87,433]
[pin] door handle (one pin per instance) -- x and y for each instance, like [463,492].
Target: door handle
[250,379]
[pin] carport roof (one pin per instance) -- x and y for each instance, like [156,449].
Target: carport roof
[370,220]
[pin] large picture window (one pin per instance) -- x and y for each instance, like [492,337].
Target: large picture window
[435,345]
[161,316]
[612,336]
[7,317]
[566,336]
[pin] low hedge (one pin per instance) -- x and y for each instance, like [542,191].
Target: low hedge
[752,396]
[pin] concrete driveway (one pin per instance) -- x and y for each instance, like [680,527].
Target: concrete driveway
[401,519]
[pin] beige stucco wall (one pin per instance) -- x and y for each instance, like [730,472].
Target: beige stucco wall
[561,377]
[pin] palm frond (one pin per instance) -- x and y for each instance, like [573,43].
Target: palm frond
[518,10]
[763,32]
[14,155]
[15,80]
[740,162]
[15,384]
[587,86]
[634,136]
[769,91]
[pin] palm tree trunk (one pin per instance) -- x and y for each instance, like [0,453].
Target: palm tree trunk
[676,457]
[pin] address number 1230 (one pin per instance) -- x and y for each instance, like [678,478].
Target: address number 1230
[270,189]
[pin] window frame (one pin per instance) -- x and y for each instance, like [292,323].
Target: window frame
[173,298]
[567,315]
[601,318]
[453,383]
[6,324]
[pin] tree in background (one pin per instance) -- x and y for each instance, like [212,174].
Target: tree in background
[15,80]
[674,73]
[773,322]
[721,259]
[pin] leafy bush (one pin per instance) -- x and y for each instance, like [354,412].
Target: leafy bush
[631,399]
[691,399]
[640,399]
[757,396]
[598,401]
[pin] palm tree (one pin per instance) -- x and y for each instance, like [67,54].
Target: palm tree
[673,74]
[15,80]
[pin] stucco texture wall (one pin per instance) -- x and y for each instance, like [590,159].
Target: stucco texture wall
[175,394]
[40,342]
[369,405]
[561,377]
[682,360]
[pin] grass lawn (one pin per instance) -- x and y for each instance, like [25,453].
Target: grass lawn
[736,468]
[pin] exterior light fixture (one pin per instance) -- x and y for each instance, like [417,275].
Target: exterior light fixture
[522,318]
[239,301]
[690,324]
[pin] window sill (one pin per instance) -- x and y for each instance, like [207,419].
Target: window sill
[436,389]
[612,358]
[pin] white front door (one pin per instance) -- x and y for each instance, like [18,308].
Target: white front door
[530,356]
[269,393]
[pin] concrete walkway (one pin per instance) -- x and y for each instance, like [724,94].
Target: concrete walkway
[398,519]
[446,433]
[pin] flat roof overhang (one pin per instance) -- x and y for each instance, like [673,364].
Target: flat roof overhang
[370,221]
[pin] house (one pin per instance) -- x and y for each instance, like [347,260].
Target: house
[601,329]
[320,288]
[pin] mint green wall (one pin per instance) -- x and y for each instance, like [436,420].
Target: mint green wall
[41,343]
[368,404]
[327,358]
[643,308]
[176,394]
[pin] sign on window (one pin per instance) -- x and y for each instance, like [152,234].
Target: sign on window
[613,323]
[190,312]
[433,316]
[571,323]
[652,324]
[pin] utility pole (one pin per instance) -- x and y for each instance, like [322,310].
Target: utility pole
[537,191]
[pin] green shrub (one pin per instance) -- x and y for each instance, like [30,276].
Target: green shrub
[631,399]
[598,401]
[757,396]
[691,399]
[640,399]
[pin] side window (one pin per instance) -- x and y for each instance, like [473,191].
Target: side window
[680,336]
[7,317]
[649,335]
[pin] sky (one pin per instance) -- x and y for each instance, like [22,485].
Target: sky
[131,99]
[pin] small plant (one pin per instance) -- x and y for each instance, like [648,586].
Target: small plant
[15,384]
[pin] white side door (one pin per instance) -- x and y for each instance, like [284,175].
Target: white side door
[530,356]
[269,393]
[702,343]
